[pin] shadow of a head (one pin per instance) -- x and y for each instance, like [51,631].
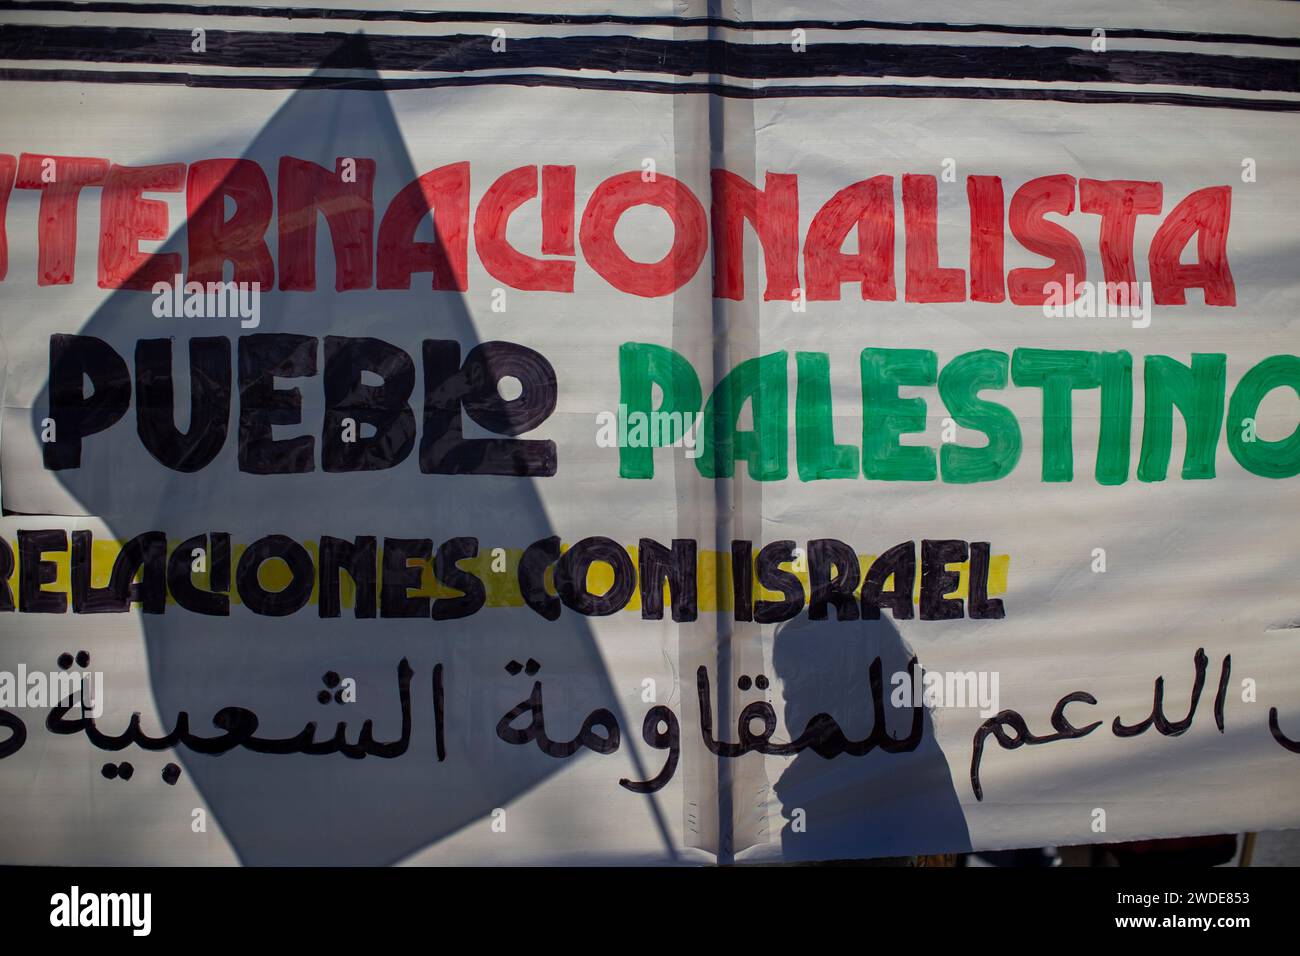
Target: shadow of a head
[880,804]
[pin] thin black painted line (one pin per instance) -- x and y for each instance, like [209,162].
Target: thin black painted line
[463,53]
[319,82]
[572,19]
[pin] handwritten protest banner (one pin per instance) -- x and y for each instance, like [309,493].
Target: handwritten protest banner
[648,435]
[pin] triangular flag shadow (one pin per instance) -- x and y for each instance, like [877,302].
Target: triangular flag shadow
[301,809]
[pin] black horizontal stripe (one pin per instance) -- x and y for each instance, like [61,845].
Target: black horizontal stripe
[581,19]
[461,53]
[320,82]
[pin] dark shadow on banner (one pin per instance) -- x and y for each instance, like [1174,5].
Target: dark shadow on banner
[300,808]
[876,805]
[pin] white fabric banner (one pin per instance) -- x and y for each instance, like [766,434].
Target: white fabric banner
[867,437]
